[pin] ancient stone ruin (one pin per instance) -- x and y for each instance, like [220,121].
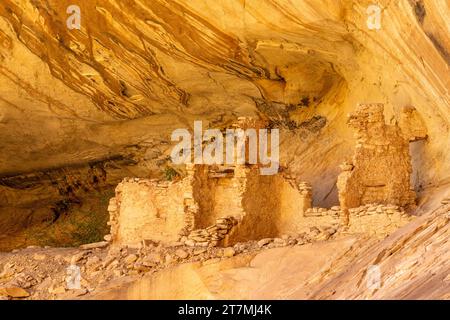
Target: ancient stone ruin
[220,205]
[212,205]
[102,101]
[381,166]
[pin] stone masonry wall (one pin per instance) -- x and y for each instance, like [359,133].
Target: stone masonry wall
[196,208]
[147,209]
[272,205]
[372,219]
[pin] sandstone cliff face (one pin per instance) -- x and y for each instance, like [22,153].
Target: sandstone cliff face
[82,109]
[137,70]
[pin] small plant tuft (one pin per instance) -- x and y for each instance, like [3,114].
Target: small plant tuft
[170,174]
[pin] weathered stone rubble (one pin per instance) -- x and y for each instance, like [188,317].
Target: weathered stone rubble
[212,235]
[359,211]
[39,273]
[370,219]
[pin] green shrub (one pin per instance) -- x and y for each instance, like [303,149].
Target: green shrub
[170,173]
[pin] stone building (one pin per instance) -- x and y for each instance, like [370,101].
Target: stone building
[381,166]
[211,206]
[215,205]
